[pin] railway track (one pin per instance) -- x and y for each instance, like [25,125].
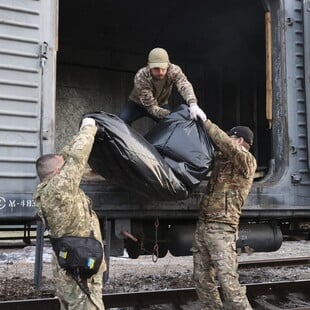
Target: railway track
[275,262]
[273,296]
[270,296]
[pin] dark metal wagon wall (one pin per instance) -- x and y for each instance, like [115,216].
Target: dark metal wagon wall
[220,45]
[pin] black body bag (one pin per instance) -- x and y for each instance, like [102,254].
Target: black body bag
[78,255]
[185,145]
[123,156]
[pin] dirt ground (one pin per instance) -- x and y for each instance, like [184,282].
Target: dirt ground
[17,271]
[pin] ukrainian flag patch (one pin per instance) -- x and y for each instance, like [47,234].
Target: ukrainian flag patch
[91,263]
[63,254]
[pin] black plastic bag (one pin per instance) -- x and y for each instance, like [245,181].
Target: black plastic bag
[124,157]
[185,146]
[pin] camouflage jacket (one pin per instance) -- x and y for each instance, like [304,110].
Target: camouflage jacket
[152,94]
[60,202]
[230,181]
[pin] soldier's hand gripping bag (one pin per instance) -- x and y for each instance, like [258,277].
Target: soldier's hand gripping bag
[125,158]
[185,146]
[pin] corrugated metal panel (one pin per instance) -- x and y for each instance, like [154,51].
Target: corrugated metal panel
[297,108]
[300,57]
[307,66]
[20,86]
[22,31]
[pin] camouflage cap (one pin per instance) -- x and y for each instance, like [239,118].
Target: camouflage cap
[242,131]
[158,58]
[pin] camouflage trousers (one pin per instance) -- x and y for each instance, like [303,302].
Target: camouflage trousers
[70,295]
[215,258]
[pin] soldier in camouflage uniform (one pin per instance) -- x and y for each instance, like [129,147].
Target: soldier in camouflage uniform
[152,89]
[66,211]
[214,249]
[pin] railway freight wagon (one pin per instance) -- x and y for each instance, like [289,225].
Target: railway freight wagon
[247,60]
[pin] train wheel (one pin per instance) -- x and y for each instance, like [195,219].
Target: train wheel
[132,248]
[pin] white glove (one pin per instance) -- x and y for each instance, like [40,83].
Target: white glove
[87,121]
[195,112]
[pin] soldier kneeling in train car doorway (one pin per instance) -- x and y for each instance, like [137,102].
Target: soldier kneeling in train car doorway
[152,89]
